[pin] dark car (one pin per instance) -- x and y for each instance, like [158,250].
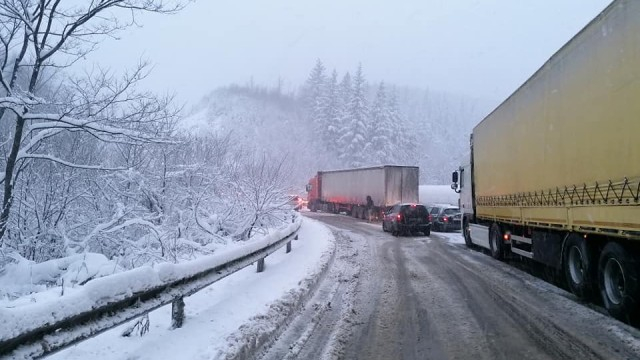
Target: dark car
[445,218]
[407,219]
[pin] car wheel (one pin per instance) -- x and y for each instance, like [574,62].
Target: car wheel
[427,232]
[394,230]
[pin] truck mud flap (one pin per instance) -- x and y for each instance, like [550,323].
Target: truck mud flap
[547,248]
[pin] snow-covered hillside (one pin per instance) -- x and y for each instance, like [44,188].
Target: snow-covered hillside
[316,131]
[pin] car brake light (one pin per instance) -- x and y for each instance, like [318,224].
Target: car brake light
[399,217]
[445,219]
[429,217]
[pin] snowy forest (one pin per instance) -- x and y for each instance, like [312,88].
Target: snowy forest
[98,176]
[336,121]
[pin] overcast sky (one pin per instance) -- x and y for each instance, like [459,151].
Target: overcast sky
[482,48]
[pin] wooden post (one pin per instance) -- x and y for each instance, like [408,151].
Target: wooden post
[261,265]
[177,313]
[288,246]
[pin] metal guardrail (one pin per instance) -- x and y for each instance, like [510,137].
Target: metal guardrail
[47,338]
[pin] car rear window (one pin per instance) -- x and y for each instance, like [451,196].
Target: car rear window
[451,211]
[414,210]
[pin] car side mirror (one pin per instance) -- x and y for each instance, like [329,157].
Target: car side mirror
[454,177]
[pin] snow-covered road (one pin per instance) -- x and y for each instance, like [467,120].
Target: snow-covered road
[432,298]
[351,291]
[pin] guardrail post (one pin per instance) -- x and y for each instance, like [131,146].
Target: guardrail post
[289,247]
[261,265]
[177,313]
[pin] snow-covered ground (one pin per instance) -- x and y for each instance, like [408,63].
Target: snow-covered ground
[220,317]
[451,237]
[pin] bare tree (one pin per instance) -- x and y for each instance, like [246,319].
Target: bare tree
[261,193]
[37,38]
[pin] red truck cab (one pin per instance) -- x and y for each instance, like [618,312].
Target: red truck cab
[312,193]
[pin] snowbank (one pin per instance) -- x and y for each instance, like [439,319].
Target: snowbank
[20,317]
[25,277]
[227,316]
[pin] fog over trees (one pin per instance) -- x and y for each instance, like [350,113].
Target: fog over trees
[342,120]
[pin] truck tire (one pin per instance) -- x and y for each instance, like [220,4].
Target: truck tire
[579,266]
[618,281]
[466,232]
[495,242]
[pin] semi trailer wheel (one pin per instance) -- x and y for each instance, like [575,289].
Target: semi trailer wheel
[618,280]
[466,232]
[496,243]
[579,267]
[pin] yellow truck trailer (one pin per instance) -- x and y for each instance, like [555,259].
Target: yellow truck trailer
[554,172]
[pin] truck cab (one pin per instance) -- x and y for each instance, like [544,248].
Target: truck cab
[312,194]
[461,183]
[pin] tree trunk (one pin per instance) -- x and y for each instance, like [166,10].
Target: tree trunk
[8,177]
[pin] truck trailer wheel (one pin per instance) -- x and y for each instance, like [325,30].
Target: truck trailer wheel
[466,232]
[496,243]
[618,280]
[579,267]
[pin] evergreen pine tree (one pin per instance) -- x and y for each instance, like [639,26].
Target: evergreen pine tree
[403,142]
[355,136]
[331,111]
[380,129]
[341,120]
[315,98]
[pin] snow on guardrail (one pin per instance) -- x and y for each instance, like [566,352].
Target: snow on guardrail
[96,304]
